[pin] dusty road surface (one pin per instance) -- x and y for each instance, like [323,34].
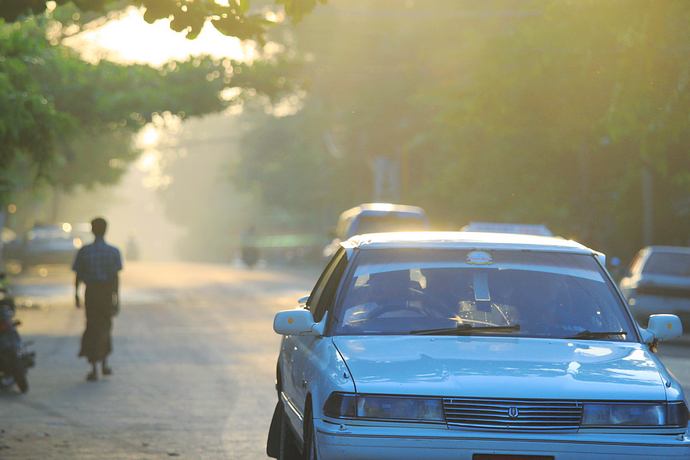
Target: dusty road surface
[194,365]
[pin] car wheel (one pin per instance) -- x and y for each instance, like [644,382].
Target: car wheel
[288,445]
[309,439]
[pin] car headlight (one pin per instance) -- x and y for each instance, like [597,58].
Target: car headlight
[635,414]
[400,408]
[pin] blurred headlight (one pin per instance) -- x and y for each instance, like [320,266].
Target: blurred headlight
[630,415]
[401,408]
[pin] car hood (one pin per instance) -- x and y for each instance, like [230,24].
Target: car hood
[503,367]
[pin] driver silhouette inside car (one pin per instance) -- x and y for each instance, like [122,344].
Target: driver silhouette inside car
[384,292]
[389,290]
[448,289]
[544,305]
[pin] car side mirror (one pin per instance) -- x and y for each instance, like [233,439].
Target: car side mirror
[296,322]
[665,327]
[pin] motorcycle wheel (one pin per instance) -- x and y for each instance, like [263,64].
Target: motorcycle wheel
[20,378]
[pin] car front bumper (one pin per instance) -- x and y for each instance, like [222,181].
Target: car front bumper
[358,442]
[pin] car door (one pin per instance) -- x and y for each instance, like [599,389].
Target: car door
[319,302]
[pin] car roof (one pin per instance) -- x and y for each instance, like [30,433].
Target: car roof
[674,249]
[465,240]
[382,208]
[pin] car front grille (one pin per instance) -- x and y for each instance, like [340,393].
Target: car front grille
[512,414]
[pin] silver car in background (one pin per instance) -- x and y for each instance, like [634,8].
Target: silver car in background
[376,218]
[658,280]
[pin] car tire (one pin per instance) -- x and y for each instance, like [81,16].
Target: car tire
[310,452]
[288,445]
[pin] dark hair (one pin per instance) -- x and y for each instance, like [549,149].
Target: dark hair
[98,226]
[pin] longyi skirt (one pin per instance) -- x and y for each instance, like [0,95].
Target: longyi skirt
[96,343]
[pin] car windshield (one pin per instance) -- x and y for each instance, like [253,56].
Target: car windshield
[48,234]
[389,223]
[513,293]
[668,263]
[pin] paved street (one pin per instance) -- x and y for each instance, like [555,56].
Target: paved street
[194,367]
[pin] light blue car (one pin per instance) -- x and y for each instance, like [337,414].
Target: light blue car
[472,346]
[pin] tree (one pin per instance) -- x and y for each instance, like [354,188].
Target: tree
[69,122]
[562,112]
[545,112]
[237,18]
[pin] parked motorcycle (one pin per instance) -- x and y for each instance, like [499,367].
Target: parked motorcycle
[15,358]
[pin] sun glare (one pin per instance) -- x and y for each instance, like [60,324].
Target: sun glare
[148,137]
[130,39]
[148,161]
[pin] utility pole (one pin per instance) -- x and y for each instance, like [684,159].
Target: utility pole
[386,178]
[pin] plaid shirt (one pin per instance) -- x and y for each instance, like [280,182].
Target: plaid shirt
[97,262]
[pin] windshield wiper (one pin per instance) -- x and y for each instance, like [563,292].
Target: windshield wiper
[596,334]
[466,329]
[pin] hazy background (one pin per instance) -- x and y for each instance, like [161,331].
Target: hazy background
[570,114]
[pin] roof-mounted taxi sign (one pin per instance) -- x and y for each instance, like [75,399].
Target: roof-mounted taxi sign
[479,258]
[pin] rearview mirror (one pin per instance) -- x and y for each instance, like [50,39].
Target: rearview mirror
[295,322]
[665,327]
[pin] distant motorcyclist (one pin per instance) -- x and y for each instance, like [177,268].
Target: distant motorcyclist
[249,250]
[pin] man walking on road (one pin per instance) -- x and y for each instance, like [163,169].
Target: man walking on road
[97,266]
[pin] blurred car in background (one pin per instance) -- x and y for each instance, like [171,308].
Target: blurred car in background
[518,229]
[376,218]
[659,280]
[7,238]
[80,231]
[43,245]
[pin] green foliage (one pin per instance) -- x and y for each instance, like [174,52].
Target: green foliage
[236,19]
[542,112]
[28,120]
[562,114]
[71,122]
[283,161]
[62,114]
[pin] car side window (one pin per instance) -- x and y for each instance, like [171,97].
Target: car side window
[321,283]
[323,303]
[325,289]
